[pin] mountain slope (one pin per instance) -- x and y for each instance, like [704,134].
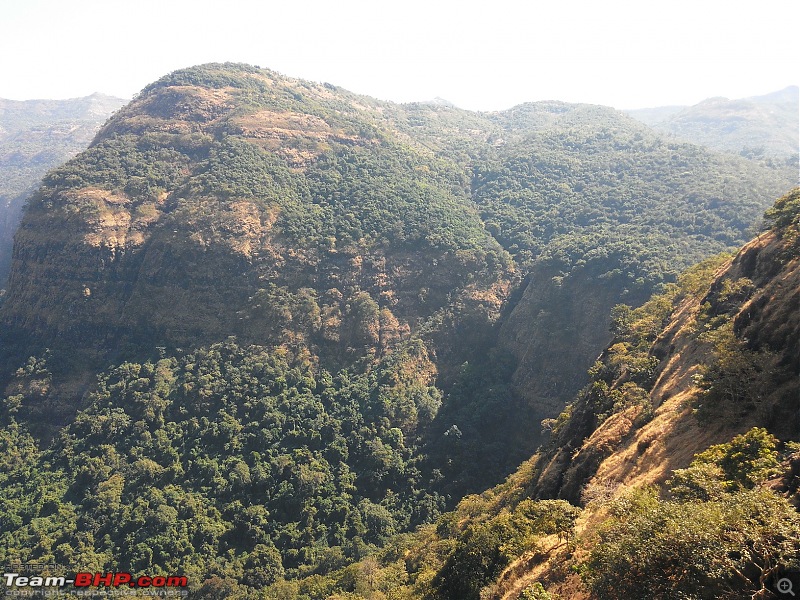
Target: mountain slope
[35,136]
[678,464]
[601,211]
[728,352]
[217,187]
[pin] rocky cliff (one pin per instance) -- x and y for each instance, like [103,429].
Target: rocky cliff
[722,358]
[36,136]
[210,202]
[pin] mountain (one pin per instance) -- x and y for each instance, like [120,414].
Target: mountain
[758,127]
[261,325]
[231,201]
[35,136]
[678,463]
[270,276]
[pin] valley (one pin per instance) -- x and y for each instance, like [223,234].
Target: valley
[295,342]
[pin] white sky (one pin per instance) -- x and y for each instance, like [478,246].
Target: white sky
[482,56]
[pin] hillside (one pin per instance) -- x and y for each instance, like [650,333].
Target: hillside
[758,127]
[601,211]
[730,347]
[35,136]
[711,359]
[232,201]
[269,263]
[674,474]
[203,192]
[261,325]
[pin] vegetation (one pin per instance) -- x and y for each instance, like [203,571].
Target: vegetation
[593,191]
[267,320]
[235,462]
[785,215]
[712,549]
[741,464]
[717,533]
[736,379]
[36,136]
[720,535]
[482,550]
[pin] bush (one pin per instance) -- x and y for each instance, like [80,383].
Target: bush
[719,535]
[665,549]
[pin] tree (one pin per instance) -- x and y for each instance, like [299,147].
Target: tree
[650,548]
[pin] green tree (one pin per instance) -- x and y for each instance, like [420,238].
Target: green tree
[651,548]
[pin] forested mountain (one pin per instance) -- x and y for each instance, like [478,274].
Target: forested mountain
[673,474]
[35,136]
[760,127]
[261,325]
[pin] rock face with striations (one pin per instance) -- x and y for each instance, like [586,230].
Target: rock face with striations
[35,136]
[228,200]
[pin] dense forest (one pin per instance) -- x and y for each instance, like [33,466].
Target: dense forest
[672,474]
[263,329]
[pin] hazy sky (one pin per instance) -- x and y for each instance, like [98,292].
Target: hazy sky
[488,56]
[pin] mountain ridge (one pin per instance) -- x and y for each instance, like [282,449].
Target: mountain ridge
[758,127]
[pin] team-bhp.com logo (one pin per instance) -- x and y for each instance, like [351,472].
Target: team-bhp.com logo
[95,580]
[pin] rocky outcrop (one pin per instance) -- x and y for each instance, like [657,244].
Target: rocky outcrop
[35,136]
[756,294]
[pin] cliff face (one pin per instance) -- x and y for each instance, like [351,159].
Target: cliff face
[554,330]
[218,190]
[725,360]
[35,136]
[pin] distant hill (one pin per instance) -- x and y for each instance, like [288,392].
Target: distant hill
[758,127]
[35,136]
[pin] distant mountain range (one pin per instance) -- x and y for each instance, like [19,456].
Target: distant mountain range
[758,127]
